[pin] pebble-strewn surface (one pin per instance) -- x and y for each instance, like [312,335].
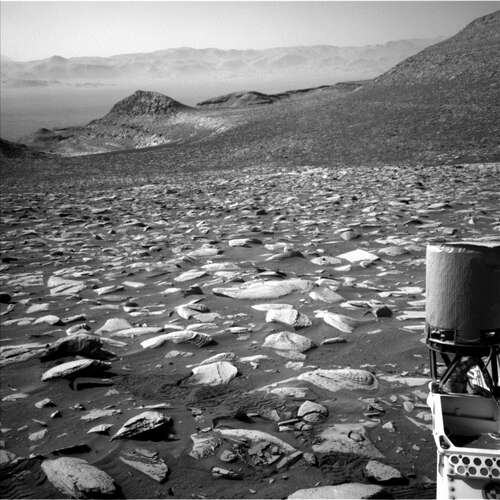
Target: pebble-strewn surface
[227,333]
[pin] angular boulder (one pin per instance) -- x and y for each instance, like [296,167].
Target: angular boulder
[218,373]
[147,422]
[76,478]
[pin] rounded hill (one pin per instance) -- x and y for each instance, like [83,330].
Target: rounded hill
[144,102]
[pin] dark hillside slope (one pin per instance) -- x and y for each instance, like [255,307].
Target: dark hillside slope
[442,104]
[471,57]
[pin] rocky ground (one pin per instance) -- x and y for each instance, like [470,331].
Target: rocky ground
[226,333]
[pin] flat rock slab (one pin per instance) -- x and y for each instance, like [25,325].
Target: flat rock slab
[146,461]
[409,381]
[288,341]
[218,373]
[179,337]
[346,438]
[71,368]
[265,290]
[76,478]
[341,379]
[190,275]
[63,287]
[254,436]
[326,295]
[341,322]
[98,413]
[290,317]
[113,325]
[358,255]
[346,490]
[136,331]
[271,307]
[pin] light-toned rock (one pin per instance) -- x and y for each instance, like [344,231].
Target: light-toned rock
[341,322]
[98,413]
[49,319]
[288,341]
[222,356]
[72,367]
[36,308]
[6,458]
[326,260]
[204,251]
[100,429]
[261,289]
[255,436]
[339,491]
[290,317]
[221,473]
[380,472]
[105,290]
[146,461]
[218,373]
[341,379]
[346,438]
[15,396]
[190,275]
[220,266]
[137,331]
[241,242]
[143,423]
[113,325]
[324,294]
[187,311]
[76,478]
[38,435]
[63,287]
[179,337]
[409,381]
[270,307]
[204,444]
[359,255]
[312,412]
[10,354]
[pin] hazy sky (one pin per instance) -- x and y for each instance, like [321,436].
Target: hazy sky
[33,30]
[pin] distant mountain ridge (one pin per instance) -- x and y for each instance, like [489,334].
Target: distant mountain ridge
[441,105]
[336,63]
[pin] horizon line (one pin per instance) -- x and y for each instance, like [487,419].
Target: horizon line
[184,47]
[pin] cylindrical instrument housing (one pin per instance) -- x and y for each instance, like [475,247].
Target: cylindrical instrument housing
[463,290]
